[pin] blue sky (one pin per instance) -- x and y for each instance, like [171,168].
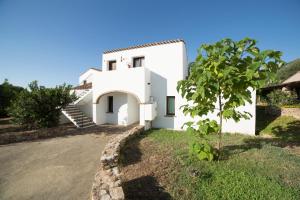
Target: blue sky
[55,41]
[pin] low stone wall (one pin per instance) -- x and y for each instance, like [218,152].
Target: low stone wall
[282,111]
[294,112]
[108,184]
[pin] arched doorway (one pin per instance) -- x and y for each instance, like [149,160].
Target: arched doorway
[117,107]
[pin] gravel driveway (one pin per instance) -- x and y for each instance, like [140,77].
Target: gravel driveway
[57,168]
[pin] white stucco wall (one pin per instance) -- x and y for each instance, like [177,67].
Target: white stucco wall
[87,109]
[133,81]
[230,126]
[132,109]
[87,76]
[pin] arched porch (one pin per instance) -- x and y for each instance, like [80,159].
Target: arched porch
[116,107]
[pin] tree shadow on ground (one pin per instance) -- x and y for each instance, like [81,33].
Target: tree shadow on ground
[283,136]
[146,188]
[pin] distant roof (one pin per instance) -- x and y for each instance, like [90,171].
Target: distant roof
[292,81]
[100,70]
[145,45]
[83,87]
[293,78]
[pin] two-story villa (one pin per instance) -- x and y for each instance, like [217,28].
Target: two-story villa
[138,85]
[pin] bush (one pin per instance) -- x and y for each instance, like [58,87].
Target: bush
[40,106]
[281,98]
[8,93]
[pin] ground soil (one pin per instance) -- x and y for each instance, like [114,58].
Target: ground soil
[145,170]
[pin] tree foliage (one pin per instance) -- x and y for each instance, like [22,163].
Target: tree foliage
[288,70]
[222,79]
[282,98]
[40,106]
[8,93]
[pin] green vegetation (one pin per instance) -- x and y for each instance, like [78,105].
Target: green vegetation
[288,70]
[224,73]
[253,168]
[8,93]
[40,106]
[282,98]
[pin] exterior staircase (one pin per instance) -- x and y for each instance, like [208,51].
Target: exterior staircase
[82,95]
[77,117]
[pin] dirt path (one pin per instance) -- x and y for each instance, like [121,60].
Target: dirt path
[58,168]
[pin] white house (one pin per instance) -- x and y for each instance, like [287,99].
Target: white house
[138,85]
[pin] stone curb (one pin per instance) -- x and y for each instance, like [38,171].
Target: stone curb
[108,184]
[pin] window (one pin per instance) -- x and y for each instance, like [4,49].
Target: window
[84,82]
[110,104]
[138,61]
[170,105]
[112,65]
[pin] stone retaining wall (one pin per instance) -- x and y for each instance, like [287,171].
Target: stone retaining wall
[277,111]
[108,184]
[294,112]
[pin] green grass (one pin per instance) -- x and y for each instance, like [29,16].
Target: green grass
[251,168]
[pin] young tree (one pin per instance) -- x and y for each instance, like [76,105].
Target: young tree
[221,79]
[40,106]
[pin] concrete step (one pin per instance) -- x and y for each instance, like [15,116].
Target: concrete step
[83,120]
[86,125]
[78,117]
[73,111]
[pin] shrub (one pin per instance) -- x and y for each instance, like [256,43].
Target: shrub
[8,93]
[40,106]
[281,98]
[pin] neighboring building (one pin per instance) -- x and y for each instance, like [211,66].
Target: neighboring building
[290,84]
[138,84]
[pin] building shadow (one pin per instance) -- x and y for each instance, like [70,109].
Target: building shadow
[146,188]
[159,90]
[264,116]
[287,136]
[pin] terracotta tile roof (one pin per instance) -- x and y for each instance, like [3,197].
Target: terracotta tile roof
[145,45]
[83,87]
[295,77]
[100,70]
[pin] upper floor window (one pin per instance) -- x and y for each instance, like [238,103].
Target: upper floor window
[112,65]
[138,62]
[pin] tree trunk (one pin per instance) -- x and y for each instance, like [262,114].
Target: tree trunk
[220,116]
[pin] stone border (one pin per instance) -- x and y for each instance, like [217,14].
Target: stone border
[108,184]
